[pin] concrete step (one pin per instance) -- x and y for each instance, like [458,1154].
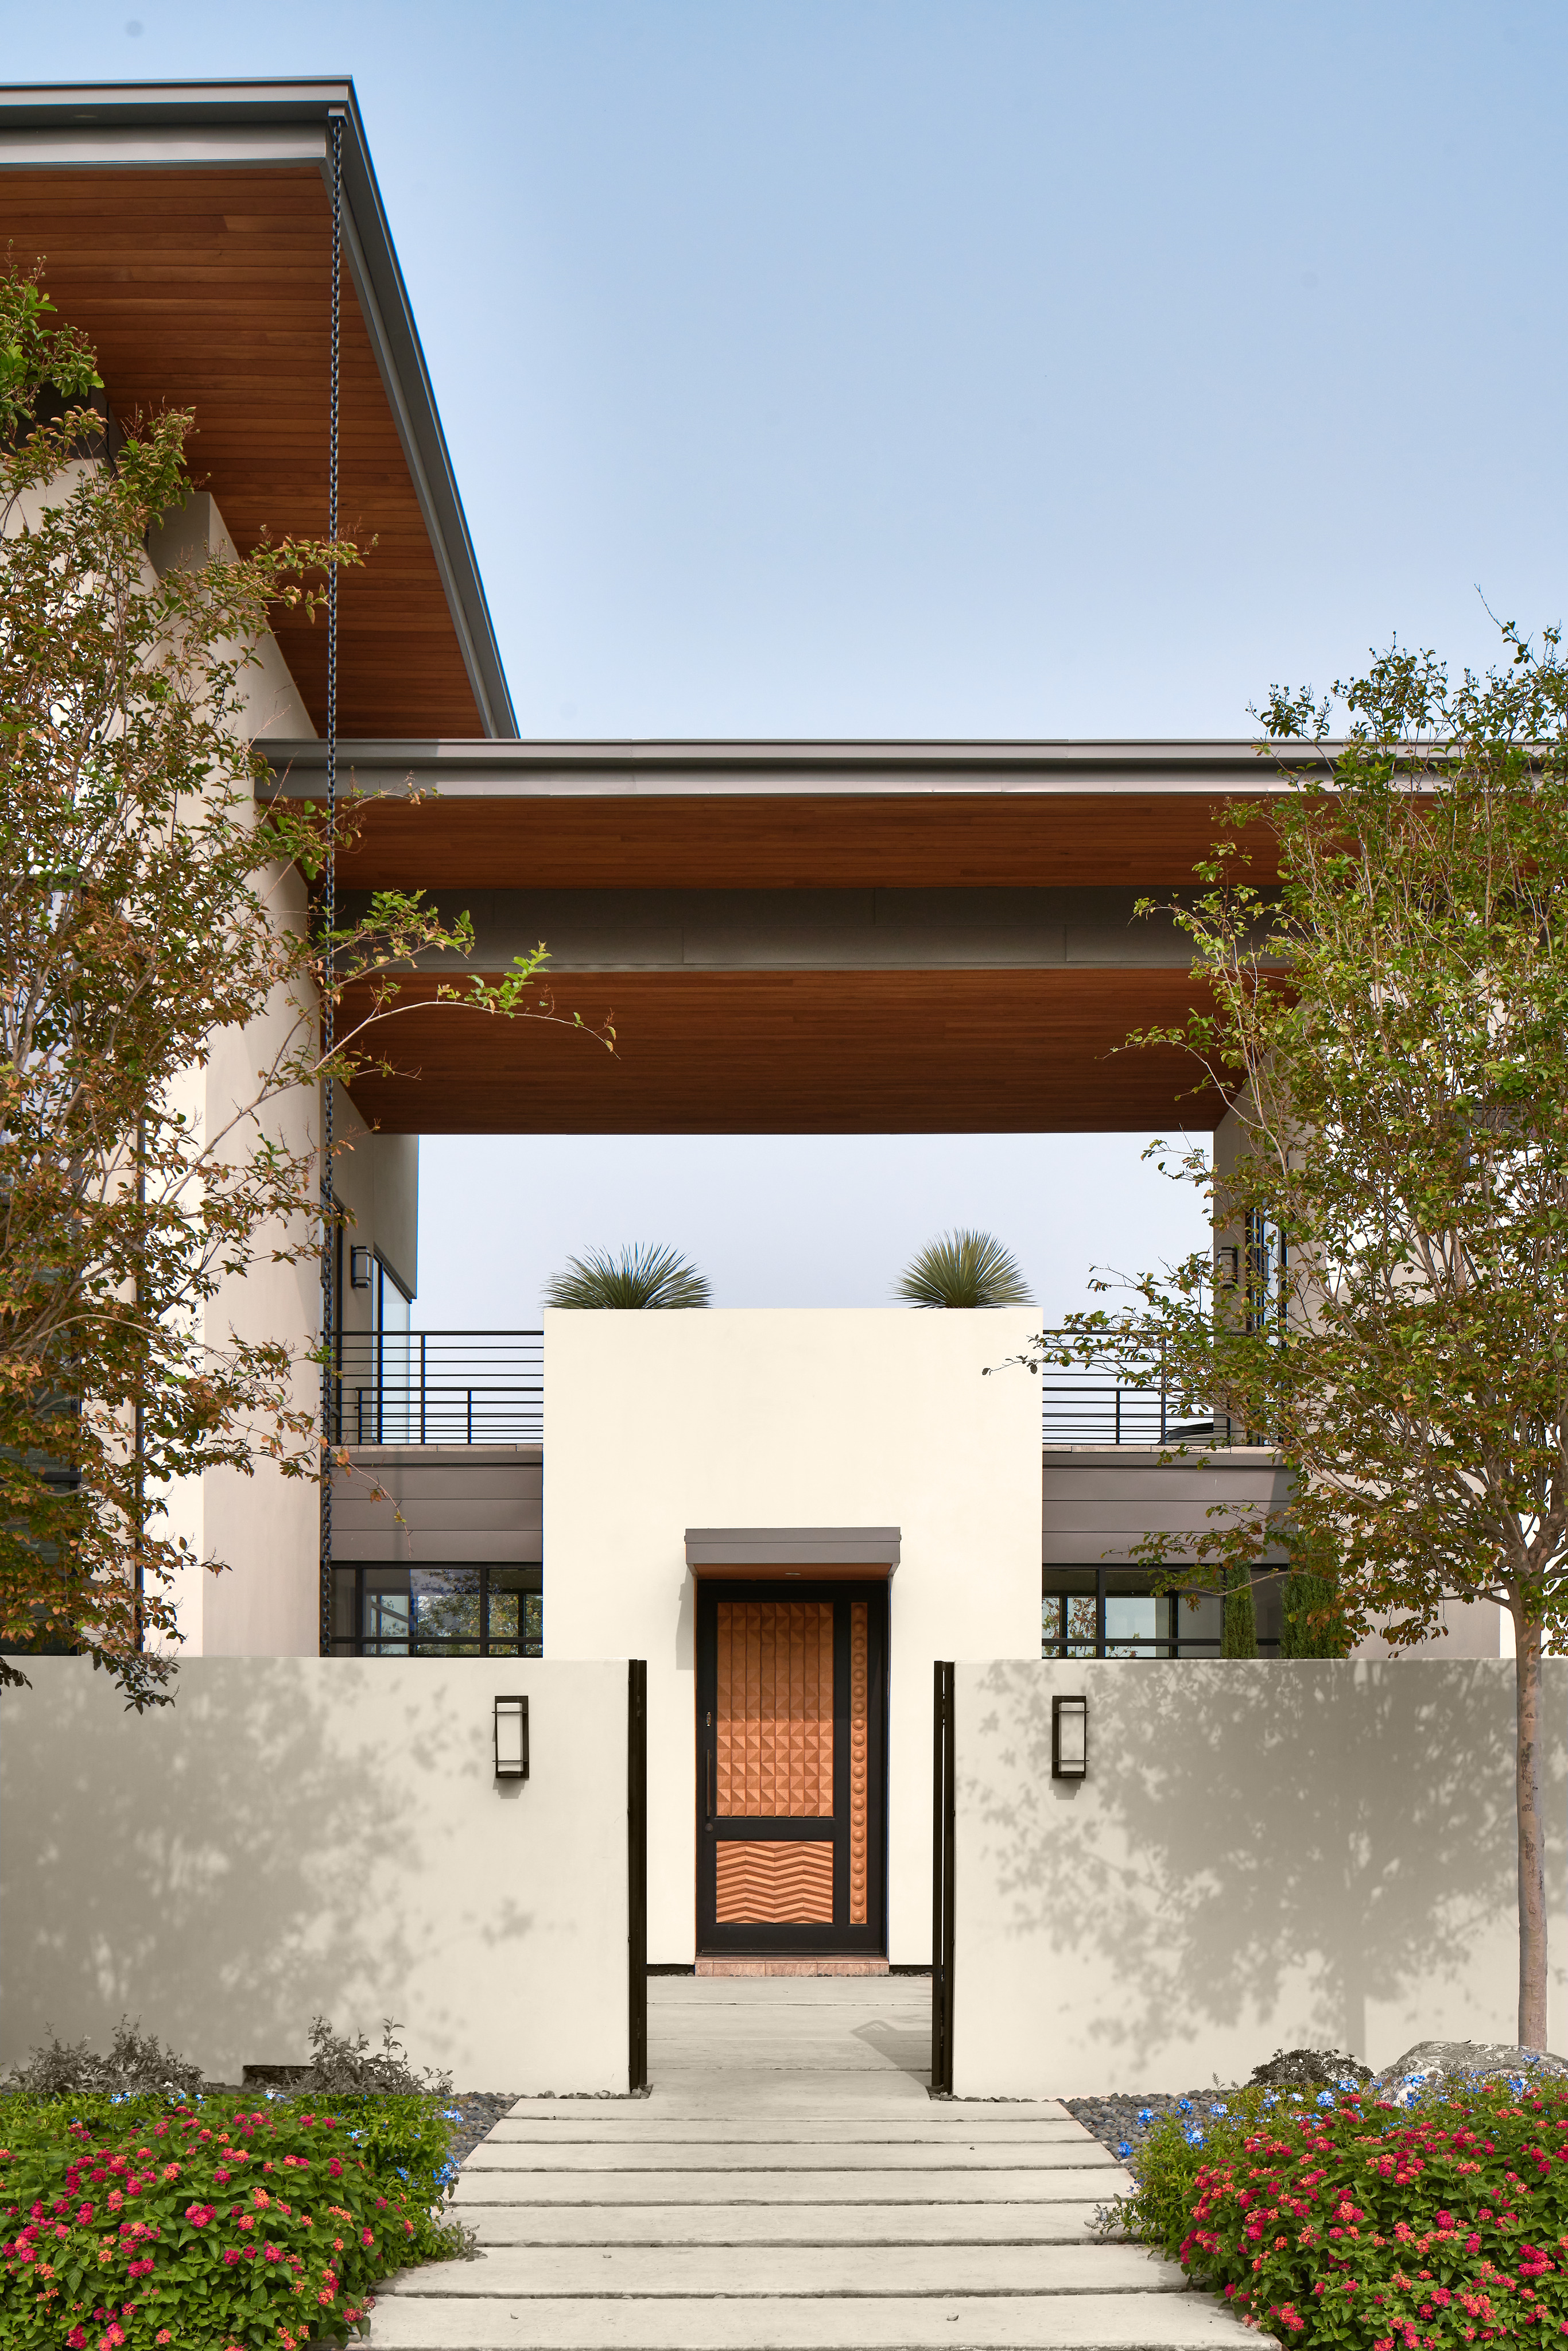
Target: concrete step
[528,2223]
[1062,2184]
[536,2272]
[767,2154]
[711,1995]
[1066,2322]
[748,2094]
[653,2127]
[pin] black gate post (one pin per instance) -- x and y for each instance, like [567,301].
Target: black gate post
[637,1873]
[942,1882]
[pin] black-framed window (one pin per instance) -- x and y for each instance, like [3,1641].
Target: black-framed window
[1112,1612]
[479,1611]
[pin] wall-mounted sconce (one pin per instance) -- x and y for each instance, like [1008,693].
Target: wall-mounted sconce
[359,1262]
[511,1739]
[1228,1267]
[1070,1739]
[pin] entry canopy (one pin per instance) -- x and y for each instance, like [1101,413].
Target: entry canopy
[769,1551]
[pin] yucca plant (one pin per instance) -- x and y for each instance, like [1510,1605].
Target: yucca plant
[964,1268]
[640,1276]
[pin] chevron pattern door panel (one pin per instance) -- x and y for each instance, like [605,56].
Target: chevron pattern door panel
[774,1885]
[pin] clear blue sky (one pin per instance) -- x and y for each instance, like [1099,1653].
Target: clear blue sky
[965,368]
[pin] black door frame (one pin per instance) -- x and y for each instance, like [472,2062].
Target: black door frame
[762,1940]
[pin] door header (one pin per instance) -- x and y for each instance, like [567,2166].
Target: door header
[865,1552]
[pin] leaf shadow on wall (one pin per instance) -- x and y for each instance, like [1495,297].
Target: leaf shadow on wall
[1247,1830]
[222,1869]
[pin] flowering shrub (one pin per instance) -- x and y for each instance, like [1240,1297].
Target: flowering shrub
[1336,2220]
[131,2225]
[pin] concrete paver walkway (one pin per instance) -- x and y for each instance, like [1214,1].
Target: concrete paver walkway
[791,2185]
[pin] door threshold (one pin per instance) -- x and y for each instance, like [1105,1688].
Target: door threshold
[764,1966]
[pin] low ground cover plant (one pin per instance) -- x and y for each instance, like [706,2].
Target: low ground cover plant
[133,2223]
[1330,2218]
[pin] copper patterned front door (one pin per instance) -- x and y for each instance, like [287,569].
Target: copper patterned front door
[792,1767]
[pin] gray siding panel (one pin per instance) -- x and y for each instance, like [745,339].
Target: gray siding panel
[449,1548]
[441,1504]
[1099,1505]
[480,1483]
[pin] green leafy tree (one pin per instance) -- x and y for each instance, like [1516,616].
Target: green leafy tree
[1239,1626]
[1313,1623]
[964,1268]
[150,918]
[1390,1021]
[643,1275]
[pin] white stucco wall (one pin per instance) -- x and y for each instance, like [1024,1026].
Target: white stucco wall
[655,1422]
[375,1178]
[263,1527]
[304,1835]
[1263,1855]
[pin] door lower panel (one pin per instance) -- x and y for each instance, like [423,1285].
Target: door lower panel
[760,1884]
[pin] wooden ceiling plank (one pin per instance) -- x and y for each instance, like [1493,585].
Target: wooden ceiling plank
[846,1052]
[206,288]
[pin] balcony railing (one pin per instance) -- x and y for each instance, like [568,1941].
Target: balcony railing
[440,1387]
[486,1387]
[1090,1405]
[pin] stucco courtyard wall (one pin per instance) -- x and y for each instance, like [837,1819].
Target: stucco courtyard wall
[789,1417]
[1263,1855]
[301,1835]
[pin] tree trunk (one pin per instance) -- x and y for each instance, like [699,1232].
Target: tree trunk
[1532,1841]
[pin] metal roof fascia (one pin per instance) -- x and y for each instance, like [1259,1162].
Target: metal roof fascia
[60,125]
[515,770]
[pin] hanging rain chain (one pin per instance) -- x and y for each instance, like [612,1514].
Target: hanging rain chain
[329,1252]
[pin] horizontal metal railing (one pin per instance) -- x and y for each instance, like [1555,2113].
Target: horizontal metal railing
[1126,1403]
[486,1387]
[440,1387]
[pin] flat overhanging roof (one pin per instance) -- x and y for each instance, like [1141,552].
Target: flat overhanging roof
[186,228]
[784,815]
[797,937]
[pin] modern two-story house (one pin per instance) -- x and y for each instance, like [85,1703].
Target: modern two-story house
[791,1516]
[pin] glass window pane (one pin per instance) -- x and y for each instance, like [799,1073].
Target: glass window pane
[1133,1620]
[446,1607]
[343,1604]
[515,1611]
[384,1625]
[1203,1624]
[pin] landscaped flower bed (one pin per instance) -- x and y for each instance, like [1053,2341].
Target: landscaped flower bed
[1341,2220]
[225,2221]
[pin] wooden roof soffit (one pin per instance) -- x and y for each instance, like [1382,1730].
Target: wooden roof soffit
[187,230]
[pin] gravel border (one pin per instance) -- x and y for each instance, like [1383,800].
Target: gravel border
[1120,2122]
[480,2111]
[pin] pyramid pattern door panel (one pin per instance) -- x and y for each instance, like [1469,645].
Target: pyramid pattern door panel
[791,1741]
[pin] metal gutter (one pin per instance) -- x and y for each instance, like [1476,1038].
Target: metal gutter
[199,125]
[517,770]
